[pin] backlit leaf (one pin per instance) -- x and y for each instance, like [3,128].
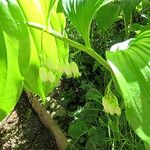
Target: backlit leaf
[14,56]
[81,13]
[111,11]
[46,49]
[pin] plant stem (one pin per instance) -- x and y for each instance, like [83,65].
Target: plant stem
[49,122]
[79,46]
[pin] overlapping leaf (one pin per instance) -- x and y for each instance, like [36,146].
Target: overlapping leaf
[81,13]
[14,56]
[55,51]
[131,69]
[111,11]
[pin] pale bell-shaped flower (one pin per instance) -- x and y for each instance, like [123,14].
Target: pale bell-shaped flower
[43,73]
[61,68]
[110,104]
[67,70]
[51,77]
[75,69]
[50,65]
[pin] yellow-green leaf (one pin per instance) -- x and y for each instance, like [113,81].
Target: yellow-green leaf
[14,55]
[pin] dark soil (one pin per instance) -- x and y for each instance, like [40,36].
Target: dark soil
[23,130]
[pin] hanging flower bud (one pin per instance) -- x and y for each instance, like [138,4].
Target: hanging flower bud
[49,64]
[61,69]
[43,73]
[75,69]
[51,77]
[110,104]
[67,70]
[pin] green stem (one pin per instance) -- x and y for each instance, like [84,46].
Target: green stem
[79,46]
[126,27]
[75,53]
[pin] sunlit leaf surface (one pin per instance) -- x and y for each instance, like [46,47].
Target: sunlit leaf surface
[46,49]
[14,56]
[81,13]
[131,68]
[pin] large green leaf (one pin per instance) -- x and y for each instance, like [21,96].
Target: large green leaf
[53,49]
[13,54]
[130,62]
[81,13]
[111,11]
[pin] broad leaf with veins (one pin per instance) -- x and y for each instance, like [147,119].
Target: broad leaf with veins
[131,68]
[81,13]
[14,55]
[55,52]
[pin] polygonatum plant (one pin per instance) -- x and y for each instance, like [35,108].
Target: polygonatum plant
[24,51]
[128,60]
[34,52]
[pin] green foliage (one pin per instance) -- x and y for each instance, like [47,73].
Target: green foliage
[77,129]
[128,19]
[76,10]
[131,69]
[90,146]
[111,11]
[97,136]
[83,10]
[128,6]
[93,94]
[50,52]
[14,58]
[146,3]
[35,58]
[24,50]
